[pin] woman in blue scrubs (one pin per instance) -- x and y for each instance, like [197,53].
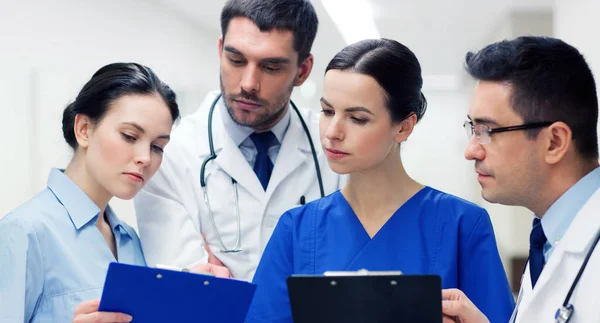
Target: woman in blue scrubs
[382,219]
[55,248]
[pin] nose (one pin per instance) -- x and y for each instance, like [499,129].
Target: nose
[143,155]
[251,79]
[474,150]
[335,130]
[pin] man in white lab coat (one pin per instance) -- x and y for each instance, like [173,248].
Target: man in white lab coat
[265,157]
[534,141]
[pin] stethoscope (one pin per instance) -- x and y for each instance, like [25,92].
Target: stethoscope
[565,312]
[213,155]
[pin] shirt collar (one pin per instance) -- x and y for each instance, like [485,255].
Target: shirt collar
[80,207]
[116,224]
[239,133]
[561,213]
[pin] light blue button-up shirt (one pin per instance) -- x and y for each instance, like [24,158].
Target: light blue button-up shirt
[559,216]
[52,255]
[241,135]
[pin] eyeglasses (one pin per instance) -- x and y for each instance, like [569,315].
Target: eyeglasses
[483,133]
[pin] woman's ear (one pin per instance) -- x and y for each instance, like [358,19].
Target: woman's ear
[405,127]
[83,128]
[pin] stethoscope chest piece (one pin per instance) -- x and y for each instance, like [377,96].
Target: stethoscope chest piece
[564,313]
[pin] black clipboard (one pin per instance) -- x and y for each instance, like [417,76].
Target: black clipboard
[363,298]
[162,295]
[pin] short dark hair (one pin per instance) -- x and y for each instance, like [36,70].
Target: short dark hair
[108,84]
[550,81]
[394,67]
[297,16]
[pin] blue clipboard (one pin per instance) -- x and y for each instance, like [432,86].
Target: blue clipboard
[162,295]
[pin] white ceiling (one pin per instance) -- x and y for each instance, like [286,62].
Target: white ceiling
[440,32]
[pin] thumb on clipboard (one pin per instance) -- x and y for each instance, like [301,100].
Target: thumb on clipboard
[217,271]
[457,307]
[87,312]
[212,259]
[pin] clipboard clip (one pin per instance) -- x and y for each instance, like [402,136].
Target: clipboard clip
[362,272]
[183,269]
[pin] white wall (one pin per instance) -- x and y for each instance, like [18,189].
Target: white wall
[576,22]
[50,49]
[434,154]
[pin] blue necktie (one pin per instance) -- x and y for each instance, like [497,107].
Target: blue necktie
[263,165]
[537,239]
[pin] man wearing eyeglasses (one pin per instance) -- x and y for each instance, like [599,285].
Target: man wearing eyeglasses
[533,138]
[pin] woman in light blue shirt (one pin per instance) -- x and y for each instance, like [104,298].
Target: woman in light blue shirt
[55,248]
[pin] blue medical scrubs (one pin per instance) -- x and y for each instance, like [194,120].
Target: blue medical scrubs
[52,255]
[432,233]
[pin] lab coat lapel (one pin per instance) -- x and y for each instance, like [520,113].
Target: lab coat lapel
[231,160]
[575,242]
[582,231]
[545,277]
[294,151]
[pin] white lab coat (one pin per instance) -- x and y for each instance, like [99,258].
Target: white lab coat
[540,305]
[172,215]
